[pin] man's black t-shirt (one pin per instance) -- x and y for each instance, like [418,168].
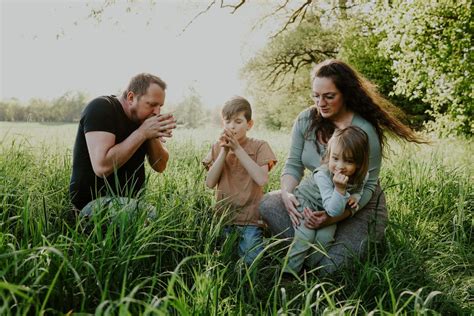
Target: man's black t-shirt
[105,114]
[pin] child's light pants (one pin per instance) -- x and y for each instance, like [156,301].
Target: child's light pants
[316,239]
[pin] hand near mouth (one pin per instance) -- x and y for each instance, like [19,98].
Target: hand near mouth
[340,182]
[229,140]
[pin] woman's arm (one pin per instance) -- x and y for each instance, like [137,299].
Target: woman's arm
[294,169]
[294,165]
[288,184]
[375,161]
[318,219]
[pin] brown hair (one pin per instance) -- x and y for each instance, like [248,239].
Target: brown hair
[236,105]
[360,96]
[139,84]
[355,146]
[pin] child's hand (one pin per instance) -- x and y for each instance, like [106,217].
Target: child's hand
[223,142]
[230,141]
[352,202]
[340,182]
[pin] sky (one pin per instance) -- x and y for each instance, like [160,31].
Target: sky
[51,47]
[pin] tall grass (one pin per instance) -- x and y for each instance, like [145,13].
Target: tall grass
[179,264]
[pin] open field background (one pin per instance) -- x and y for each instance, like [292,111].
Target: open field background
[50,264]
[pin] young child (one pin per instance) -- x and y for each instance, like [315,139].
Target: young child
[337,183]
[239,166]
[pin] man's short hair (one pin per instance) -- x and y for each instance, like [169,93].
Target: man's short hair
[236,105]
[139,84]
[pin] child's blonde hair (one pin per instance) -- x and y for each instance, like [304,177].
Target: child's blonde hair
[236,105]
[355,146]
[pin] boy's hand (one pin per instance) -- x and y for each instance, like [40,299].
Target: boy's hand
[340,182]
[230,141]
[352,202]
[223,142]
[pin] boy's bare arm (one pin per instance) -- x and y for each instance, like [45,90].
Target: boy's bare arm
[259,174]
[215,171]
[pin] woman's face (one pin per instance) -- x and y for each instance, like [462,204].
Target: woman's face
[327,98]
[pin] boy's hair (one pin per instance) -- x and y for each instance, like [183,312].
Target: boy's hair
[236,105]
[139,84]
[355,146]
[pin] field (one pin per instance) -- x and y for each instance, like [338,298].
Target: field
[177,264]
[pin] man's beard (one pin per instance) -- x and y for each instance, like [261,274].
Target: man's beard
[134,117]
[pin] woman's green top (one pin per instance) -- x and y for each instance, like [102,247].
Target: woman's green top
[303,154]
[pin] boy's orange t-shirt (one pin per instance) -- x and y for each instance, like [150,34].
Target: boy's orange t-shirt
[236,189]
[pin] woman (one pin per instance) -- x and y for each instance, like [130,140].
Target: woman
[342,98]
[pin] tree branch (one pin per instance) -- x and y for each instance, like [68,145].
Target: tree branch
[235,7]
[292,62]
[298,13]
[210,5]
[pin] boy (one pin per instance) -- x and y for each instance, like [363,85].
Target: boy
[239,166]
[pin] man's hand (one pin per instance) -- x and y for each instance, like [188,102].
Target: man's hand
[340,182]
[158,126]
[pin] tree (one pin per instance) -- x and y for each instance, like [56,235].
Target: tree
[190,112]
[430,45]
[69,106]
[361,37]
[418,52]
[66,108]
[278,76]
[8,110]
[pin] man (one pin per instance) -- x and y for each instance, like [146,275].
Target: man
[114,136]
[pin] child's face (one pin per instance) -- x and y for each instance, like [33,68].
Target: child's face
[238,125]
[337,163]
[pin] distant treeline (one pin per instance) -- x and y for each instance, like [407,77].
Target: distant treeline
[190,112]
[66,108]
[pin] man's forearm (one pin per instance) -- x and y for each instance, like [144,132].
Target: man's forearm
[157,154]
[106,158]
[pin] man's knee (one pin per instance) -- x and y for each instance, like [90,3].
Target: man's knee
[118,205]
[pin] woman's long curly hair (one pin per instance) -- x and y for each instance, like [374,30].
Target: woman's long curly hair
[359,96]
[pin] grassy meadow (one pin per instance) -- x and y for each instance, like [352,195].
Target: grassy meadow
[177,264]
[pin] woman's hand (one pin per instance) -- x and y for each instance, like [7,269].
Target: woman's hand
[315,220]
[291,203]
